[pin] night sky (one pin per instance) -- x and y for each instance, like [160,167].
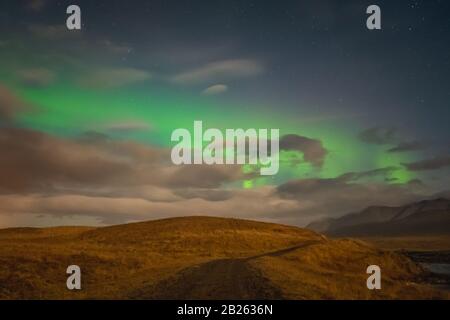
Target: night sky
[86,116]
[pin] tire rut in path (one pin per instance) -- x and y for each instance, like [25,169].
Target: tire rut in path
[223,279]
[219,279]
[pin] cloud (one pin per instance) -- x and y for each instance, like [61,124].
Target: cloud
[53,32]
[260,204]
[215,89]
[118,181]
[205,193]
[115,48]
[353,176]
[385,136]
[38,162]
[335,197]
[379,136]
[122,181]
[298,202]
[126,126]
[95,177]
[226,69]
[76,47]
[416,182]
[10,105]
[36,77]
[312,149]
[429,164]
[211,176]
[113,77]
[36,5]
[408,146]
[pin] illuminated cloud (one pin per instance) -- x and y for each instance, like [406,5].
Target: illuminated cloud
[10,105]
[42,163]
[113,77]
[226,69]
[312,149]
[36,77]
[252,204]
[215,89]
[379,136]
[126,126]
[53,32]
[383,172]
[112,47]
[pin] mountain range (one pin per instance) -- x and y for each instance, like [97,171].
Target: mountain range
[424,218]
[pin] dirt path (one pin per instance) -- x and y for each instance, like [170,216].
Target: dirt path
[219,279]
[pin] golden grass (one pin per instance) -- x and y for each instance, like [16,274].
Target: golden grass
[119,261]
[335,269]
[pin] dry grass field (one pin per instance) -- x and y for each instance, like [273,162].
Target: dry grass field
[200,258]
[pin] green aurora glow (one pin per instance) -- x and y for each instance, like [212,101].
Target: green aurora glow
[69,110]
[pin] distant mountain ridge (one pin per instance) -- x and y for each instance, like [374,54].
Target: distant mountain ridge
[427,217]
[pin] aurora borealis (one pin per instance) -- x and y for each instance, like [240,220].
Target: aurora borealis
[86,116]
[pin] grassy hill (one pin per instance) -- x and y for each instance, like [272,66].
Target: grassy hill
[199,258]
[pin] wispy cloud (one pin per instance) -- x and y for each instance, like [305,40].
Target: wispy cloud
[379,136]
[435,163]
[353,176]
[408,146]
[126,126]
[226,69]
[334,197]
[36,77]
[36,5]
[215,90]
[53,32]
[113,77]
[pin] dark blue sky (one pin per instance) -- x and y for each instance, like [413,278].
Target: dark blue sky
[319,53]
